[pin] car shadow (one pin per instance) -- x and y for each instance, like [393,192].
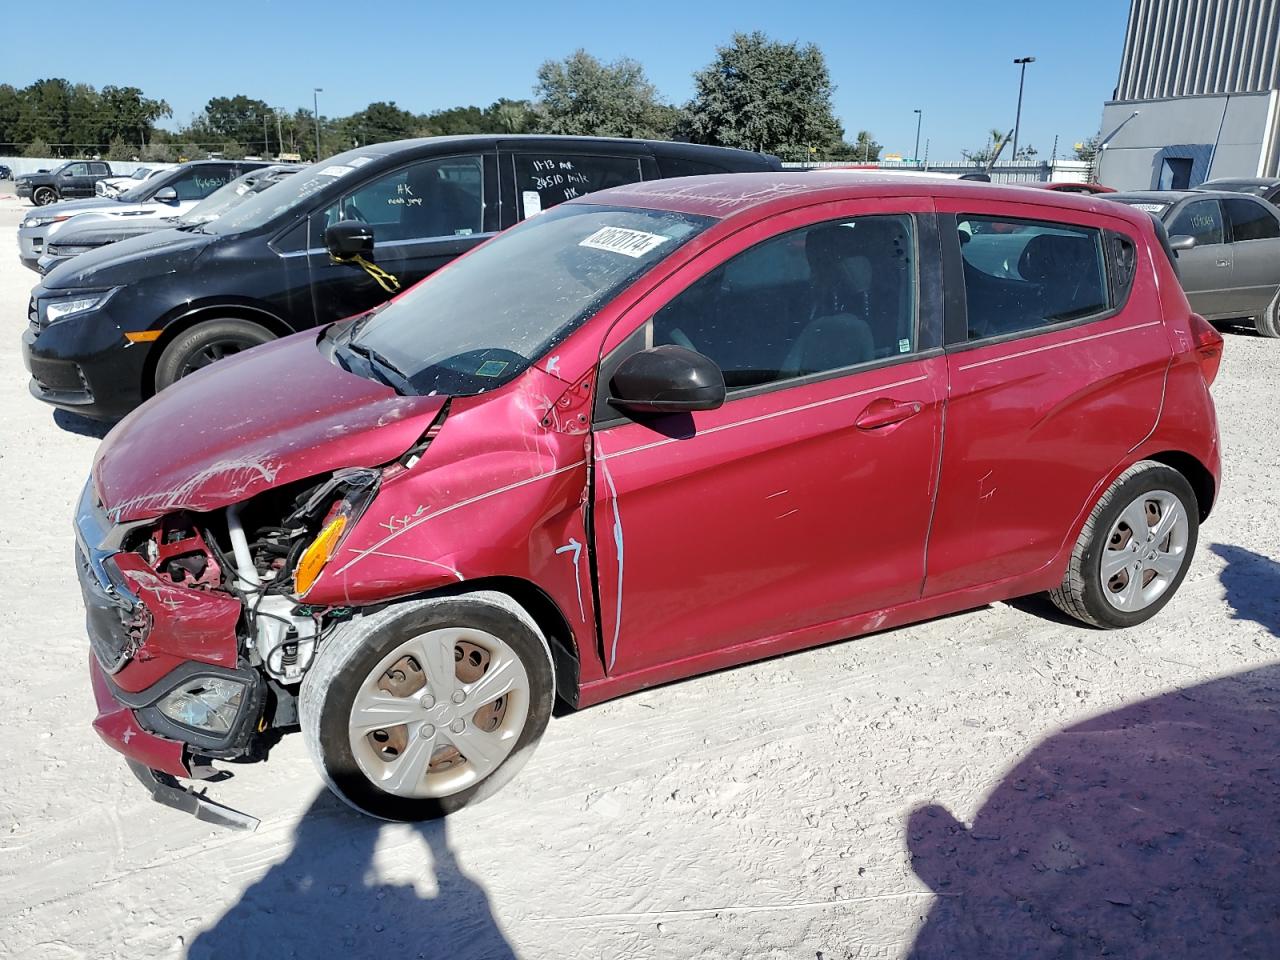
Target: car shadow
[1146,832]
[323,901]
[74,423]
[1252,585]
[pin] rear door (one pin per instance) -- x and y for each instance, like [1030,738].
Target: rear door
[1206,267]
[424,214]
[805,499]
[1255,254]
[1056,362]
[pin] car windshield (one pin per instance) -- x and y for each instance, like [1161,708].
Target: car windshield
[482,321]
[148,186]
[230,195]
[140,174]
[261,208]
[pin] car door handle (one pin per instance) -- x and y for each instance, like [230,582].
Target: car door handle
[1224,263]
[883,412]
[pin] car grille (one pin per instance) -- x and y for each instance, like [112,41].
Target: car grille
[59,376]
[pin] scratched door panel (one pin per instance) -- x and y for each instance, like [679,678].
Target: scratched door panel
[777,513]
[1034,423]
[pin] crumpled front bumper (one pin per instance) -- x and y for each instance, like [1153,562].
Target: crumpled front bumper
[120,730]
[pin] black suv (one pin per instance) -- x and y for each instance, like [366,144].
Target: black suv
[113,326]
[75,178]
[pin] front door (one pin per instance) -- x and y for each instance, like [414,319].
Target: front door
[1206,267]
[423,215]
[806,497]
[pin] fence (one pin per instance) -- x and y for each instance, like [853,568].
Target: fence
[20,165]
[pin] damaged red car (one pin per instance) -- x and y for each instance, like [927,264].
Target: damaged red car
[664,429]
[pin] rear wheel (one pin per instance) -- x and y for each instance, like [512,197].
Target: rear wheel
[1268,322]
[206,343]
[1134,550]
[43,196]
[415,711]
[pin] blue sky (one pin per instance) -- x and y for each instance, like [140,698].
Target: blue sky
[951,59]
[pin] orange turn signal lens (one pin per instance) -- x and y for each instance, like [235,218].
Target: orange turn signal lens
[318,554]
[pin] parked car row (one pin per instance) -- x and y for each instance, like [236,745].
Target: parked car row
[651,428]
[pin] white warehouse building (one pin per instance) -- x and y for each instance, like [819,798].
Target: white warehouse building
[1198,95]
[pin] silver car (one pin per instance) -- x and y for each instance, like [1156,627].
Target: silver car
[167,194]
[1228,247]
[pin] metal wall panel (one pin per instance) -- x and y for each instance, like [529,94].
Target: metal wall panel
[1179,48]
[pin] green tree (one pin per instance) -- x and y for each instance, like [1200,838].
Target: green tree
[995,140]
[1087,150]
[119,150]
[157,152]
[580,95]
[239,118]
[763,95]
[232,150]
[863,149]
[378,123]
[124,112]
[38,148]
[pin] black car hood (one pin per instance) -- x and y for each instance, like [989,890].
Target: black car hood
[165,251]
[96,232]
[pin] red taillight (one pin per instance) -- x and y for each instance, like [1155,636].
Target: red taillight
[1208,346]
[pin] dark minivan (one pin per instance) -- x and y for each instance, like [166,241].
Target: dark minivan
[112,327]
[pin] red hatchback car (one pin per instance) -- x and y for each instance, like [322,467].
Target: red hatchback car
[665,429]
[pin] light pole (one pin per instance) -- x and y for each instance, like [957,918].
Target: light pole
[1017,120]
[315,98]
[915,154]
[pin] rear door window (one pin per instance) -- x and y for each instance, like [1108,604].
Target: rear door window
[1201,219]
[442,197]
[546,179]
[196,183]
[1022,275]
[1251,221]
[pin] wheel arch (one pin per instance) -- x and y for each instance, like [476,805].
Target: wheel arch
[181,322]
[1197,474]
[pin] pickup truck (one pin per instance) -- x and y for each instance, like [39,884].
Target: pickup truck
[75,178]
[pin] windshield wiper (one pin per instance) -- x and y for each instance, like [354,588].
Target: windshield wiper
[384,369]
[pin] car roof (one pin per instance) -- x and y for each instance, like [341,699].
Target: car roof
[431,145]
[1244,181]
[723,196]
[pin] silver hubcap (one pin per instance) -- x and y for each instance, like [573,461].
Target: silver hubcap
[1146,549]
[439,713]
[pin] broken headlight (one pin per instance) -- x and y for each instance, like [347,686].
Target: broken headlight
[210,704]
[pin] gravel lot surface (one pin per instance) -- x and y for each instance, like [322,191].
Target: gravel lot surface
[1000,783]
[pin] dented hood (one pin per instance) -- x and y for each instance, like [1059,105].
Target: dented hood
[278,413]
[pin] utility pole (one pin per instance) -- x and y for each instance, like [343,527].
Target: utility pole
[266,139]
[915,154]
[279,134]
[1017,120]
[316,112]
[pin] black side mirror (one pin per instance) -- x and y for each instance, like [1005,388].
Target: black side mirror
[165,195]
[667,379]
[1181,242]
[349,238]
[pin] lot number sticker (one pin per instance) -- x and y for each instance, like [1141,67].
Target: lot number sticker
[629,243]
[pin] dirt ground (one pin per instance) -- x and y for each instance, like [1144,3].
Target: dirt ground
[1001,783]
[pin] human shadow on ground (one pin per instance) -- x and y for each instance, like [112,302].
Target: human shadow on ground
[1252,583]
[321,901]
[1147,832]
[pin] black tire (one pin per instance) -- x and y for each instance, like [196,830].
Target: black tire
[1081,593]
[354,649]
[1268,322]
[42,196]
[203,344]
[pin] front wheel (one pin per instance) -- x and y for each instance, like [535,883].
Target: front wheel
[415,711]
[1268,322]
[206,343]
[1134,550]
[43,196]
